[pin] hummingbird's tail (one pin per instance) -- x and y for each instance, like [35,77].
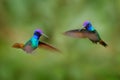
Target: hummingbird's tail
[18,45]
[103,43]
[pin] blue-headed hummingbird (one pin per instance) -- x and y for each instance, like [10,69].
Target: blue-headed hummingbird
[34,43]
[88,31]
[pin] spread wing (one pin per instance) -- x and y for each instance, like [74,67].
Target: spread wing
[77,33]
[18,45]
[47,46]
[82,33]
[94,36]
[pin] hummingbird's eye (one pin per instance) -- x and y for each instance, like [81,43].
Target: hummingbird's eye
[87,25]
[37,34]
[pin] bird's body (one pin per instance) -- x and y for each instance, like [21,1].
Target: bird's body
[88,31]
[34,43]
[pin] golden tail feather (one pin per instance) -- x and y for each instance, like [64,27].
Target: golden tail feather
[18,45]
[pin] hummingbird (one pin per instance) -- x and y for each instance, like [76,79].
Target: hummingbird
[34,43]
[87,31]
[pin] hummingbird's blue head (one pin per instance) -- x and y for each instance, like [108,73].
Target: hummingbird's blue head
[38,33]
[88,26]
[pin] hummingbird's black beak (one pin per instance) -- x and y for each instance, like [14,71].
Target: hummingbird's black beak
[44,35]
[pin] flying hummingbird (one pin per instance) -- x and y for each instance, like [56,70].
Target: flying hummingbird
[88,31]
[34,43]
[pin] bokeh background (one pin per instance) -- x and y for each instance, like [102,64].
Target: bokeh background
[80,58]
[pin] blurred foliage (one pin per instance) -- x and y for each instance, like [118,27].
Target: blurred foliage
[80,59]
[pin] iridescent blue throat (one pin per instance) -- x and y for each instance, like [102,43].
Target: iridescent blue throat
[35,41]
[90,28]
[36,37]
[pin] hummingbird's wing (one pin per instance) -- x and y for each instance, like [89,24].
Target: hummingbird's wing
[82,33]
[93,36]
[76,33]
[18,45]
[47,46]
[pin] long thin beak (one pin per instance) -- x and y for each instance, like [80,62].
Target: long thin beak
[45,35]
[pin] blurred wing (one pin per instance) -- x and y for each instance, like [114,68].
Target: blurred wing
[47,46]
[94,36]
[77,33]
[83,33]
[18,45]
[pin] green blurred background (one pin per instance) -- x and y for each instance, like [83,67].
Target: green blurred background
[80,58]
